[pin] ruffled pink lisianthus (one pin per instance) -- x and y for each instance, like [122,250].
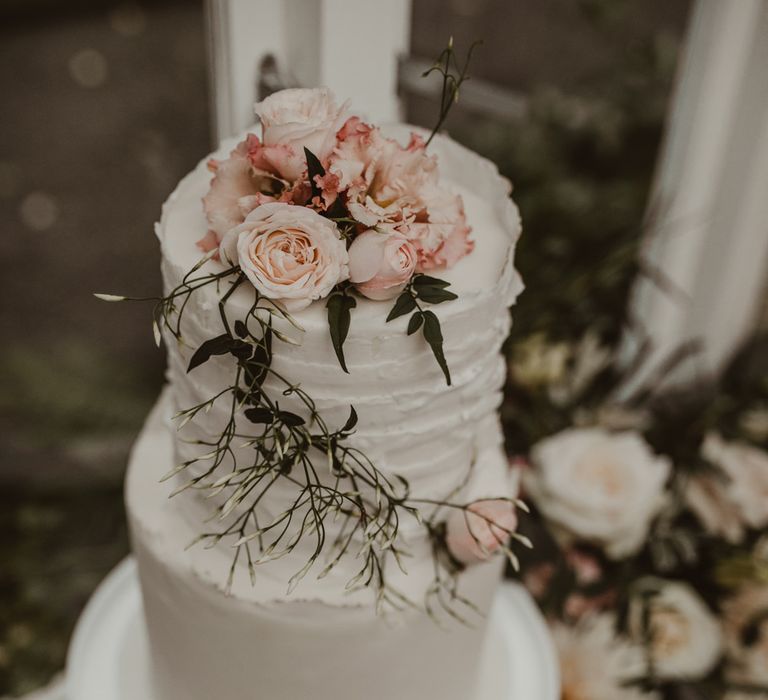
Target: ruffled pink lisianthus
[370,182]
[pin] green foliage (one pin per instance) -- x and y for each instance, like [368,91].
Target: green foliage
[581,164]
[429,290]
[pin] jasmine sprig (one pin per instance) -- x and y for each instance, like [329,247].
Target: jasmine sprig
[283,446]
[454,75]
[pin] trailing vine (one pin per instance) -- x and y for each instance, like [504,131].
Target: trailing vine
[287,445]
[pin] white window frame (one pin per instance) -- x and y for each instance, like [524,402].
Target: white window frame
[708,212]
[353,47]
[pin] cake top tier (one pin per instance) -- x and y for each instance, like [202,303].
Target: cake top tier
[325,241]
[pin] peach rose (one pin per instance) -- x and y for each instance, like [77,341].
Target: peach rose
[475,533]
[290,254]
[380,264]
[747,653]
[596,663]
[296,119]
[684,635]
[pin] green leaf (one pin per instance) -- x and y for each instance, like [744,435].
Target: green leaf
[415,323]
[339,306]
[435,295]
[220,345]
[241,329]
[434,336]
[240,349]
[351,421]
[259,415]
[427,281]
[404,305]
[291,419]
[314,168]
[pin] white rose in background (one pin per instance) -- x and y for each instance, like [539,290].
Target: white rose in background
[745,626]
[726,503]
[596,663]
[291,254]
[300,118]
[381,264]
[685,637]
[475,534]
[599,487]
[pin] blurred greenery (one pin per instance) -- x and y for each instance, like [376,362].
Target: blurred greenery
[79,391]
[55,548]
[581,165]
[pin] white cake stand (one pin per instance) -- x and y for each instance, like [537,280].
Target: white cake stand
[109,659]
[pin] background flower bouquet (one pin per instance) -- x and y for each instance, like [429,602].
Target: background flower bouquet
[649,512]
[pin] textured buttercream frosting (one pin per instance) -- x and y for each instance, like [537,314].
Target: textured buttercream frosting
[445,440]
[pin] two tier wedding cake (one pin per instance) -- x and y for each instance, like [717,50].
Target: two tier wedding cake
[320,500]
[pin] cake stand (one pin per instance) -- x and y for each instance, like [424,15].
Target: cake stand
[109,658]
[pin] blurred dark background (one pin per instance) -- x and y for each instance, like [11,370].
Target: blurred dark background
[105,107]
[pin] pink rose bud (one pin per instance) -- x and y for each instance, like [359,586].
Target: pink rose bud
[475,533]
[380,264]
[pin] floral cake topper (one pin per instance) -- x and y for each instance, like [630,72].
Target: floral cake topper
[323,206]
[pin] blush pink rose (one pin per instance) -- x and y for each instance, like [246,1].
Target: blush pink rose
[290,253]
[295,119]
[380,264]
[474,534]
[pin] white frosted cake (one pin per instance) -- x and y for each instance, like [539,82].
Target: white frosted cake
[326,611]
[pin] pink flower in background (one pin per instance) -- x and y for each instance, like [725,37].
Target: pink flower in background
[685,639]
[380,264]
[585,567]
[578,605]
[291,254]
[596,663]
[295,119]
[474,534]
[737,498]
[538,577]
[747,654]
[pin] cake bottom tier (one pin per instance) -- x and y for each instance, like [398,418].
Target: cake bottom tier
[206,645]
